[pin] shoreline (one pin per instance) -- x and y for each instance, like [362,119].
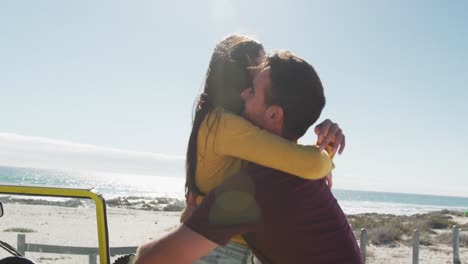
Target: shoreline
[128,202]
[164,203]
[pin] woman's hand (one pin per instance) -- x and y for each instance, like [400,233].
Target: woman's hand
[191,206]
[329,180]
[329,134]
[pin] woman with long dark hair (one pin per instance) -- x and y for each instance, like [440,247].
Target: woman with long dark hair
[221,140]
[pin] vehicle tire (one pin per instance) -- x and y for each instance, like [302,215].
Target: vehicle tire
[127,259]
[15,260]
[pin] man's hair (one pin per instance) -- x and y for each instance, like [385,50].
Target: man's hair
[295,87]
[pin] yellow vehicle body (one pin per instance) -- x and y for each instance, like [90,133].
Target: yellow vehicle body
[101,214]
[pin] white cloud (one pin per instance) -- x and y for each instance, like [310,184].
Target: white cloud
[39,152]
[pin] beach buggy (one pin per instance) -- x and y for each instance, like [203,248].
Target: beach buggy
[101,253]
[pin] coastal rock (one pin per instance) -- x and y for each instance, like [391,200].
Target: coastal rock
[138,203]
[177,206]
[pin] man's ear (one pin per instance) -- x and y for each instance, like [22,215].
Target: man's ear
[275,113]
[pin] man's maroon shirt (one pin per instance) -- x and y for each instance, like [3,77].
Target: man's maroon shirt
[283,218]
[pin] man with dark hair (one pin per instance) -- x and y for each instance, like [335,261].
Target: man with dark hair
[284,219]
[291,86]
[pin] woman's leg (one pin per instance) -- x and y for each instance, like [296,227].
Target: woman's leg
[231,253]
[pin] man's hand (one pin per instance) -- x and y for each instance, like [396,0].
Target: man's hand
[330,134]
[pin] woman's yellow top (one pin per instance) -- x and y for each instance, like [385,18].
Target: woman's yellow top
[232,140]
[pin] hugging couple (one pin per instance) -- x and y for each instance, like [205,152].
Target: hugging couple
[253,194]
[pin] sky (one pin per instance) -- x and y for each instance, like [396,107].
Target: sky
[110,85]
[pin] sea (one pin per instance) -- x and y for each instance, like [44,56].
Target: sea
[112,185]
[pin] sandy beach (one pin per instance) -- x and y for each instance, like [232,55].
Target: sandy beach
[76,226]
[403,254]
[56,225]
[435,244]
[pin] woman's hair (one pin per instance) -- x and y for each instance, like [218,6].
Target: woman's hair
[227,76]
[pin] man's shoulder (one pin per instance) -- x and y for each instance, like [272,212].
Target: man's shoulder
[256,168]
[268,180]
[262,172]
[254,179]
